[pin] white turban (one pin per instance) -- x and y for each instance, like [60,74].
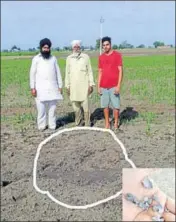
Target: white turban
[76,42]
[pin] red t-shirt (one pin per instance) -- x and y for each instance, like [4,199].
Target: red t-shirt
[110,72]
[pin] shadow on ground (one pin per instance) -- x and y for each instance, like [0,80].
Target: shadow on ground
[125,116]
[64,120]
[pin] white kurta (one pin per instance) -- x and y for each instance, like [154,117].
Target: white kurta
[46,78]
[78,76]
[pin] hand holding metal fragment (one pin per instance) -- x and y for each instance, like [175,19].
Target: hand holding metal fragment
[146,203]
[143,204]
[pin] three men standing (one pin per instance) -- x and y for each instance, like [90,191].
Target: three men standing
[46,82]
[46,85]
[79,82]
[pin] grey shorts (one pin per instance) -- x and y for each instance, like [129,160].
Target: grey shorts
[108,98]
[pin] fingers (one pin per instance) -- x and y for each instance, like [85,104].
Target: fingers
[129,210]
[68,91]
[90,90]
[169,216]
[100,93]
[116,92]
[143,216]
[170,205]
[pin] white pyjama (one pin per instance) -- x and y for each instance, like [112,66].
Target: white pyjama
[42,114]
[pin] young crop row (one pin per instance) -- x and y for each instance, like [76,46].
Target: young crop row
[147,79]
[150,78]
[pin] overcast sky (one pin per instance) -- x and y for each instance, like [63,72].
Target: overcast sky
[24,23]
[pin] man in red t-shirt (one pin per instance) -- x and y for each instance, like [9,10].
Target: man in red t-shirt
[109,81]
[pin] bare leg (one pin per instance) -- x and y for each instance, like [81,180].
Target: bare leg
[106,115]
[116,118]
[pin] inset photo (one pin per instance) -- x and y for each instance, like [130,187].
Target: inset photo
[148,194]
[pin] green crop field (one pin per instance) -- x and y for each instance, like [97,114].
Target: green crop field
[149,81]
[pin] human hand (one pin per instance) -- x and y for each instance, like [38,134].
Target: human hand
[90,90]
[171,214]
[68,91]
[60,90]
[132,184]
[33,92]
[117,90]
[167,215]
[136,210]
[99,91]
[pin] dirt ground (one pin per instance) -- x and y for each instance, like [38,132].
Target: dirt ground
[81,167]
[78,168]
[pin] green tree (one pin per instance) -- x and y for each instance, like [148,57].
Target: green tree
[67,48]
[141,46]
[158,43]
[57,48]
[31,49]
[115,47]
[14,47]
[125,45]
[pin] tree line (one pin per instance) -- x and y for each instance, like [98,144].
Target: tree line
[126,45]
[123,45]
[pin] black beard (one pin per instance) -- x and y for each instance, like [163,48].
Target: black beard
[45,55]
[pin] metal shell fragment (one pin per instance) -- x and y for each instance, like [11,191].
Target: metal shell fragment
[157,218]
[150,201]
[135,200]
[158,208]
[147,183]
[129,197]
[166,210]
[142,205]
[146,199]
[155,198]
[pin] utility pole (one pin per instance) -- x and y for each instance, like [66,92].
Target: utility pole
[101,33]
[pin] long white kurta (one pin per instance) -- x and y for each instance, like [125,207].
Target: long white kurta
[46,78]
[78,76]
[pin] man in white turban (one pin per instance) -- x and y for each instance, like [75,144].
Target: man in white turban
[79,82]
